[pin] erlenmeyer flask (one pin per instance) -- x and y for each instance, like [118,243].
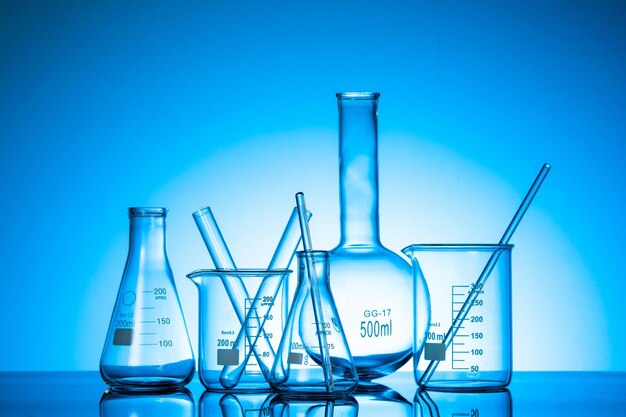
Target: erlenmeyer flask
[371,284]
[313,358]
[147,345]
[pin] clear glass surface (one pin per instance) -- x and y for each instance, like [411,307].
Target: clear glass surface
[536,394]
[147,345]
[371,284]
[313,358]
[179,403]
[479,354]
[228,336]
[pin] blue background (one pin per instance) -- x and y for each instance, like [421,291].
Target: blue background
[107,105]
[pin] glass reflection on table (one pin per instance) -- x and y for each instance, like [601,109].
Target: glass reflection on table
[379,400]
[177,403]
[220,404]
[492,403]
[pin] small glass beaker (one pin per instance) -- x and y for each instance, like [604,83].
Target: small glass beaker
[477,353]
[233,349]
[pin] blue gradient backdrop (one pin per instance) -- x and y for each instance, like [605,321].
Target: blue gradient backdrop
[106,105]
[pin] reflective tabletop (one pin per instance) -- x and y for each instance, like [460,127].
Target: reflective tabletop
[32,394]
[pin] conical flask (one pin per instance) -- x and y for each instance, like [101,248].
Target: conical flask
[371,284]
[147,345]
[313,358]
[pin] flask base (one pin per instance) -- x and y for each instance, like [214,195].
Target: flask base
[148,378]
[146,384]
[369,367]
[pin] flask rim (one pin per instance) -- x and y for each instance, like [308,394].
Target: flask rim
[147,211]
[304,253]
[357,95]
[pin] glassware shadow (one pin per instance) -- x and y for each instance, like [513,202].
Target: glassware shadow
[174,403]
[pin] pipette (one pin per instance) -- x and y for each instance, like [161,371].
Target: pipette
[475,291]
[315,294]
[283,255]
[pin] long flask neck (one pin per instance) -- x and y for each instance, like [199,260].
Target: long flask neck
[358,169]
[147,240]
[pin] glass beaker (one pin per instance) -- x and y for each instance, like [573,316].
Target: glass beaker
[371,284]
[494,403]
[313,358]
[147,345]
[221,354]
[178,403]
[478,355]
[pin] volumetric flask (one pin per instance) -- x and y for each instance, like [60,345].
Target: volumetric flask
[477,354]
[147,345]
[313,358]
[493,403]
[221,353]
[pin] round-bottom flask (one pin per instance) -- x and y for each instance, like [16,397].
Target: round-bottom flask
[371,284]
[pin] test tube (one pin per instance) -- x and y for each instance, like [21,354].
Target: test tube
[235,287]
[315,294]
[283,255]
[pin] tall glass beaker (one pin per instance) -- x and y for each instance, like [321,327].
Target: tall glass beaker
[147,345]
[371,284]
[477,355]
